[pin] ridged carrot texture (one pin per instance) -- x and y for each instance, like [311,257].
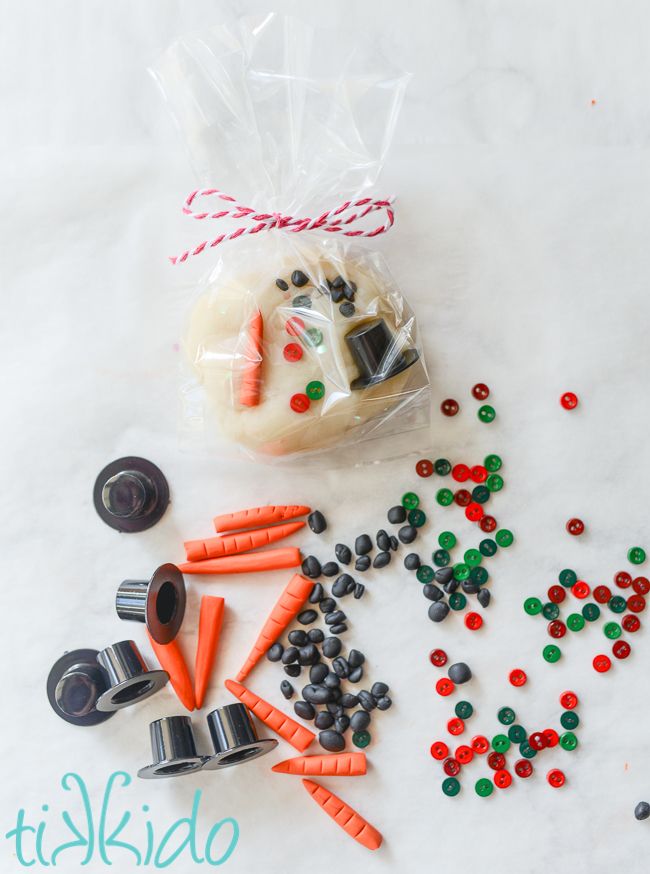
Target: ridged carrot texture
[210,619]
[286,608]
[231,544]
[171,660]
[269,560]
[258,516]
[344,815]
[297,735]
[334,765]
[251,380]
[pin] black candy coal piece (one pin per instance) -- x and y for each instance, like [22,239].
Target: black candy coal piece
[394,542]
[335,709]
[438,611]
[317,522]
[459,672]
[316,635]
[327,605]
[356,675]
[308,655]
[342,723]
[307,616]
[362,563]
[381,559]
[382,540]
[338,629]
[335,618]
[330,569]
[317,593]
[331,740]
[412,561]
[350,289]
[292,670]
[274,653]
[407,533]
[433,593]
[323,720]
[298,637]
[304,710]
[331,647]
[642,810]
[347,309]
[451,586]
[360,720]
[343,553]
[356,658]
[341,667]
[443,575]
[363,544]
[469,587]
[336,294]
[311,567]
[287,689]
[341,585]
[316,693]
[282,285]
[483,597]
[366,700]
[378,689]
[338,282]
[359,589]
[384,702]
[318,673]
[290,655]
[332,680]
[298,278]
[348,700]
[396,515]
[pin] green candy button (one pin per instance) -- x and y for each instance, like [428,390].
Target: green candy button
[568,740]
[486,413]
[526,750]
[494,482]
[313,337]
[552,653]
[500,743]
[457,601]
[315,390]
[636,555]
[442,467]
[506,716]
[451,786]
[484,787]
[424,573]
[575,622]
[617,604]
[517,734]
[444,497]
[492,463]
[441,558]
[487,547]
[447,540]
[478,575]
[532,606]
[472,557]
[591,612]
[568,578]
[361,739]
[461,571]
[410,501]
[417,518]
[569,719]
[612,630]
[504,537]
[550,610]
[464,710]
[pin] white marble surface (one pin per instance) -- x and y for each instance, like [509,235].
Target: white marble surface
[522,242]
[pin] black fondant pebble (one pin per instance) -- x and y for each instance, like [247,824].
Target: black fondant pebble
[331,740]
[317,593]
[302,301]
[382,540]
[378,690]
[282,285]
[459,672]
[287,689]
[338,629]
[433,593]
[318,673]
[330,569]
[308,655]
[316,635]
[366,700]
[381,559]
[275,652]
[347,309]
[359,589]
[469,587]
[335,617]
[342,723]
[317,522]
[290,655]
[407,534]
[311,567]
[332,680]
[292,670]
[362,563]
[484,597]
[324,719]
[384,702]
[642,810]
[298,637]
[394,542]
[443,575]
[412,561]
[336,294]
[327,605]
[438,611]
[341,667]
[299,279]
[317,693]
[356,674]
[338,282]
[363,544]
[356,658]
[335,708]
[307,616]
[451,586]
[360,720]
[304,710]
[331,647]
[341,585]
[397,515]
[343,553]
[348,700]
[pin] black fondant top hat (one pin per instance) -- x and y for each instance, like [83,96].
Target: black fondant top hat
[131,494]
[158,602]
[74,685]
[173,748]
[376,353]
[234,737]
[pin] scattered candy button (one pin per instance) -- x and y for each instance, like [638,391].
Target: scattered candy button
[484,787]
[480,391]
[602,663]
[473,621]
[439,750]
[486,413]
[424,467]
[636,555]
[449,407]
[295,326]
[299,403]
[292,352]
[438,657]
[517,677]
[569,400]
[315,390]
[575,527]
[556,778]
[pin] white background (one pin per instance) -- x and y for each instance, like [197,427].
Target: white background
[521,241]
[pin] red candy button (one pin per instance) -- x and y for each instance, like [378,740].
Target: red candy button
[523,768]
[464,754]
[449,407]
[439,750]
[478,473]
[556,628]
[451,767]
[292,352]
[631,623]
[438,657]
[602,594]
[444,687]
[538,740]
[480,391]
[636,603]
[502,779]
[299,403]
[496,761]
[623,579]
[460,472]
[517,677]
[569,700]
[480,744]
[575,526]
[556,594]
[580,589]
[295,326]
[552,737]
[463,498]
[424,467]
[455,726]
[473,621]
[556,778]
[474,512]
[602,663]
[569,400]
[621,649]
[641,585]
[488,523]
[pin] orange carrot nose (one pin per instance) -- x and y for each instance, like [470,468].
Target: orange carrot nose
[231,544]
[171,660]
[269,560]
[210,620]
[283,613]
[251,381]
[258,516]
[334,765]
[297,735]
[344,816]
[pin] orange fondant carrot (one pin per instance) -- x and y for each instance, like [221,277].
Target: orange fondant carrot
[297,735]
[344,815]
[210,619]
[251,381]
[258,516]
[269,560]
[231,544]
[334,765]
[285,610]
[171,660]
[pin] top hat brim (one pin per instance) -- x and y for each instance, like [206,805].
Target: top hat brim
[403,362]
[153,512]
[59,668]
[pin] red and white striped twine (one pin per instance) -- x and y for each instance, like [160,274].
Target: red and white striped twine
[330,221]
